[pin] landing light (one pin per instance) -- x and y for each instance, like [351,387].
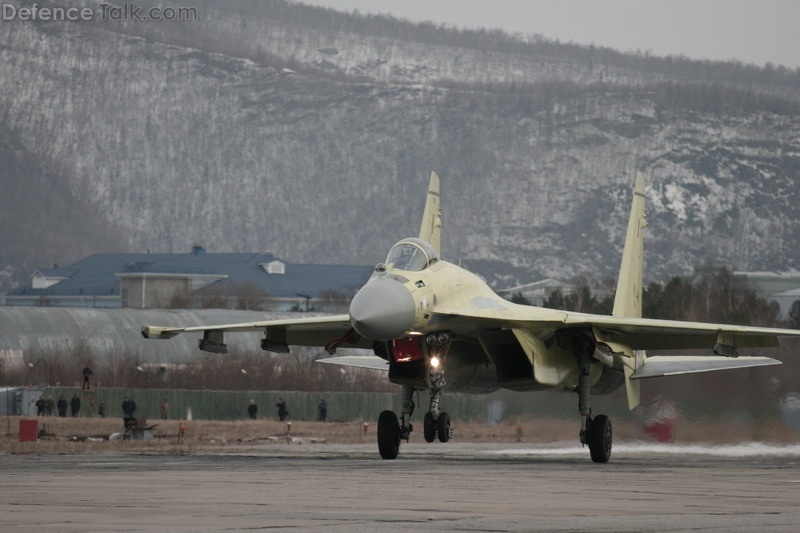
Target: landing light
[435,362]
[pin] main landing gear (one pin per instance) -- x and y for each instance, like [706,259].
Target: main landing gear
[595,432]
[391,431]
[436,423]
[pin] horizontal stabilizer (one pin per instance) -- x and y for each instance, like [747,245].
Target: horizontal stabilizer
[661,365]
[361,361]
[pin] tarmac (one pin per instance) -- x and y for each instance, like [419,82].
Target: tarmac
[430,487]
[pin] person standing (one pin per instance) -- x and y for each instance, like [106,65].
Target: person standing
[62,406]
[128,407]
[40,406]
[283,412]
[101,409]
[75,405]
[252,409]
[164,409]
[87,372]
[322,411]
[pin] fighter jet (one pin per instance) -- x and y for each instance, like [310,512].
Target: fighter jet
[432,325]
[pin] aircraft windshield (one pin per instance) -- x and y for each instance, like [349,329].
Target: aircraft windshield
[411,254]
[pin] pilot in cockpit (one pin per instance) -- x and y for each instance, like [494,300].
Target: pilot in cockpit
[412,255]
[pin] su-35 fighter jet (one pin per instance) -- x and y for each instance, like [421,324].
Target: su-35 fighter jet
[434,325]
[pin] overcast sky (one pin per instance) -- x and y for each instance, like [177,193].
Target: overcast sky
[749,30]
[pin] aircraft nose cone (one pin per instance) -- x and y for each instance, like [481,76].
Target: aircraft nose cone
[382,310]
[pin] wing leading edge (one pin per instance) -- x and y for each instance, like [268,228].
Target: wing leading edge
[278,334]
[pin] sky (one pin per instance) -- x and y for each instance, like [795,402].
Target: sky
[750,31]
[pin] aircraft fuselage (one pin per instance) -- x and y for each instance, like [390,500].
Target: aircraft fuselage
[401,306]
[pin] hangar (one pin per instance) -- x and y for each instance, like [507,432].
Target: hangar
[152,281]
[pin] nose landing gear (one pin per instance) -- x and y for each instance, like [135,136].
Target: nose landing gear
[436,424]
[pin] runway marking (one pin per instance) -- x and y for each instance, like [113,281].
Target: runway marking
[116,464]
[113,464]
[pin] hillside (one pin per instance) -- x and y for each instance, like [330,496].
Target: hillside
[311,134]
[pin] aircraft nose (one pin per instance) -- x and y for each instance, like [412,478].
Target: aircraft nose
[382,310]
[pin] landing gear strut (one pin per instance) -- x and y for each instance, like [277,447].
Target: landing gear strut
[595,432]
[437,423]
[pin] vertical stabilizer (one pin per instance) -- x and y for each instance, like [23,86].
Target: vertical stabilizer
[431,228]
[628,300]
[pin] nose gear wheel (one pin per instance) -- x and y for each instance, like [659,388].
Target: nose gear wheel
[429,428]
[443,427]
[440,427]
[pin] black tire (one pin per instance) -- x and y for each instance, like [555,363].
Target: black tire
[443,427]
[429,428]
[600,439]
[388,435]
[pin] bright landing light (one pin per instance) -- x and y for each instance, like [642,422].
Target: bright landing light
[435,362]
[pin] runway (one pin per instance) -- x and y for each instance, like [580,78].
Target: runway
[451,487]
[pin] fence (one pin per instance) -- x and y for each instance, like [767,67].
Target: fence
[232,405]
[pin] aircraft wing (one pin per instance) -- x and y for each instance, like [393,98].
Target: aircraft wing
[279,334]
[635,333]
[654,334]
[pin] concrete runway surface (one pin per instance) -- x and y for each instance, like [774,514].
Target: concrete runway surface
[436,487]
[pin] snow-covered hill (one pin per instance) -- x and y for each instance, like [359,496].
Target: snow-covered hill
[311,134]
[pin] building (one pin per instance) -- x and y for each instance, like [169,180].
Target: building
[19,401]
[152,281]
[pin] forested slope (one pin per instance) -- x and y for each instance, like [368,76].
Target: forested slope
[311,134]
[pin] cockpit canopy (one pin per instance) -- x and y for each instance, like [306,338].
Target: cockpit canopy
[412,255]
